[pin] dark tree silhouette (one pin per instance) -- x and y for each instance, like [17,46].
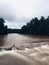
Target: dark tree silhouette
[36,26]
[3,28]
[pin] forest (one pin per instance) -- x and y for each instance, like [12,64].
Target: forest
[34,27]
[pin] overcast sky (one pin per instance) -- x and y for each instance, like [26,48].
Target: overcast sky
[18,12]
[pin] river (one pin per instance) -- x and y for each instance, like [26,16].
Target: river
[18,39]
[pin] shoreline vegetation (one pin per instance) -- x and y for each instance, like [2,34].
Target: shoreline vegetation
[34,27]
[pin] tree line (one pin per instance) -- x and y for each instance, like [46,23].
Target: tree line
[34,27]
[4,30]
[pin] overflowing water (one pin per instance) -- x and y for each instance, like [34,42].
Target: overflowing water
[17,39]
[33,56]
[24,50]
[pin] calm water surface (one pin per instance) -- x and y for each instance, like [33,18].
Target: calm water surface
[18,39]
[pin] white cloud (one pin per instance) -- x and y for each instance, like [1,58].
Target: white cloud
[21,11]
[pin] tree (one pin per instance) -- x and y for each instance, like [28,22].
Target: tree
[37,26]
[3,28]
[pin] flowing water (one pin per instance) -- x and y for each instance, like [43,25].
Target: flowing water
[33,56]
[17,39]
